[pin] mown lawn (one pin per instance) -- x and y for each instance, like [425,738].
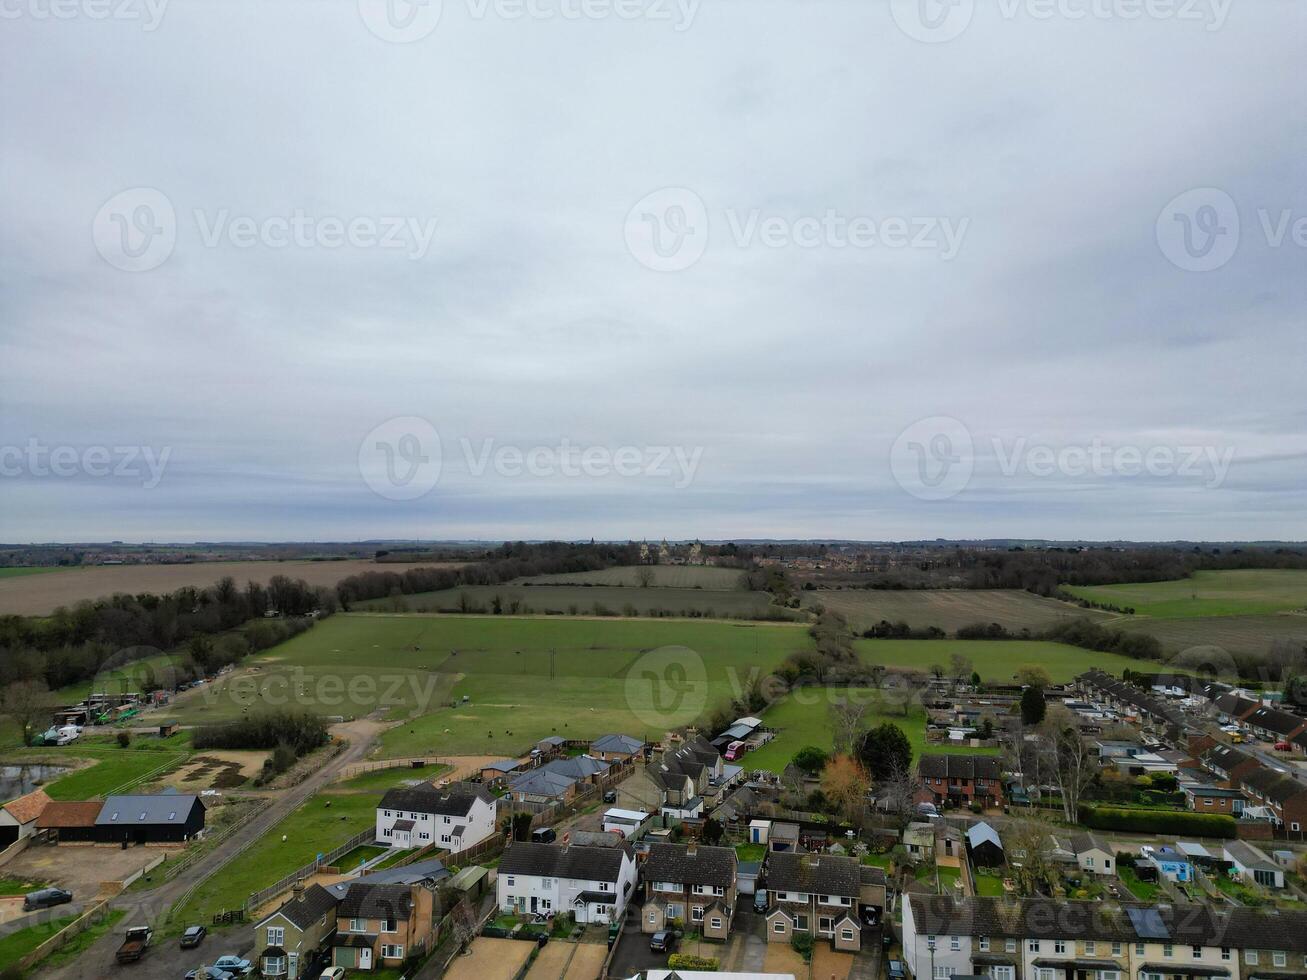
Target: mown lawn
[803,718]
[1145,891]
[380,780]
[988,885]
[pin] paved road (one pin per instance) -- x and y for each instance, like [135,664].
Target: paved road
[149,907]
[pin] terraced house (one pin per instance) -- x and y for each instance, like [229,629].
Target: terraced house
[674,784]
[380,926]
[287,940]
[816,894]
[960,780]
[1282,794]
[453,817]
[692,883]
[592,883]
[1040,939]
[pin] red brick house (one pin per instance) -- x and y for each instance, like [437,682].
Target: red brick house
[960,780]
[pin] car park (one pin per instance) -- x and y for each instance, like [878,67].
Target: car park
[193,936]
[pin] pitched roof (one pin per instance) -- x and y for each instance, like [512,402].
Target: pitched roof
[1084,840]
[822,874]
[1226,757]
[147,808]
[982,833]
[617,743]
[1275,720]
[306,908]
[455,800]
[1248,855]
[1234,705]
[68,813]
[574,861]
[1048,919]
[369,901]
[679,864]
[1274,786]
[960,766]
[541,782]
[27,808]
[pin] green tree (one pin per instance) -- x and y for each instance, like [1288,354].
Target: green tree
[885,750]
[810,759]
[1033,706]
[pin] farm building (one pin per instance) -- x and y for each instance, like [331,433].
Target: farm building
[69,820]
[18,817]
[150,818]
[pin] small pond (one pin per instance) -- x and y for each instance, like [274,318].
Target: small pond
[17,780]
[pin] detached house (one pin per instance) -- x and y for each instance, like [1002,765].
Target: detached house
[379,926]
[816,894]
[961,780]
[1092,854]
[287,941]
[616,748]
[453,817]
[558,781]
[593,883]
[693,883]
[1252,865]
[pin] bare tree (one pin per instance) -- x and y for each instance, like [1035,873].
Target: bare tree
[1073,765]
[1030,849]
[898,793]
[645,577]
[463,924]
[847,719]
[960,668]
[26,702]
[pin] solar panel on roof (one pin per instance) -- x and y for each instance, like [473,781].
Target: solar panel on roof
[1148,924]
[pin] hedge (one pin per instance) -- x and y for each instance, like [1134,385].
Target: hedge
[687,961]
[1167,822]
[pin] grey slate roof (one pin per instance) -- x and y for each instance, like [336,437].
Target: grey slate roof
[617,743]
[147,809]
[982,833]
[367,901]
[704,866]
[563,861]
[960,767]
[454,800]
[822,874]
[1083,841]
[306,909]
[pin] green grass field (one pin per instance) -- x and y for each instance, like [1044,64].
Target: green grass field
[115,770]
[381,780]
[948,609]
[1249,636]
[803,718]
[16,945]
[577,600]
[1250,592]
[314,828]
[995,660]
[532,677]
[661,577]
[11,572]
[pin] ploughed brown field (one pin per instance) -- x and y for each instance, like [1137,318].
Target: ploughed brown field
[38,595]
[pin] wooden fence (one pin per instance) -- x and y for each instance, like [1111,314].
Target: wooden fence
[85,921]
[358,768]
[366,836]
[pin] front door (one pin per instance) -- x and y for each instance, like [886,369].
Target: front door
[533,903]
[365,958]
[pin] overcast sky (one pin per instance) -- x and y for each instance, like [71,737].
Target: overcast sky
[663,268]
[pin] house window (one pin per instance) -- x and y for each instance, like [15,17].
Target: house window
[1109,975]
[1045,974]
[392,952]
[954,943]
[424,836]
[1197,952]
[715,922]
[825,924]
[445,838]
[389,925]
[779,926]
[1116,949]
[274,966]
[1089,862]
[387,813]
[653,918]
[1002,973]
[1168,950]
[801,923]
[1293,827]
[1250,957]
[546,882]
[1010,945]
[1225,953]
[1059,946]
[696,913]
[984,944]
[1278,958]
[509,883]
[1090,947]
[943,972]
[847,935]
[1139,949]
[1032,945]
[276,936]
[358,925]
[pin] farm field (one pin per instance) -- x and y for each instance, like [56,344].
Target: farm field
[662,577]
[995,660]
[1238,635]
[39,595]
[115,769]
[802,719]
[323,822]
[528,676]
[16,572]
[573,600]
[948,609]
[1243,592]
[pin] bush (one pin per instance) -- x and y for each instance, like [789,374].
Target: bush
[301,731]
[1169,823]
[124,739]
[688,961]
[802,944]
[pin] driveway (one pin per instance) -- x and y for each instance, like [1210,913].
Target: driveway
[149,907]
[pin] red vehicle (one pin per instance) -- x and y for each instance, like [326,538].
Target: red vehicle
[1283,747]
[735,750]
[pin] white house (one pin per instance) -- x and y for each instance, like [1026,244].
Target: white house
[1252,865]
[626,822]
[1093,854]
[453,817]
[593,883]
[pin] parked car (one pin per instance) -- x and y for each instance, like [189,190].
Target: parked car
[1283,747]
[234,964]
[135,942]
[610,796]
[663,941]
[193,936]
[333,973]
[897,971]
[45,898]
[210,973]
[543,835]
[870,916]
[760,901]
